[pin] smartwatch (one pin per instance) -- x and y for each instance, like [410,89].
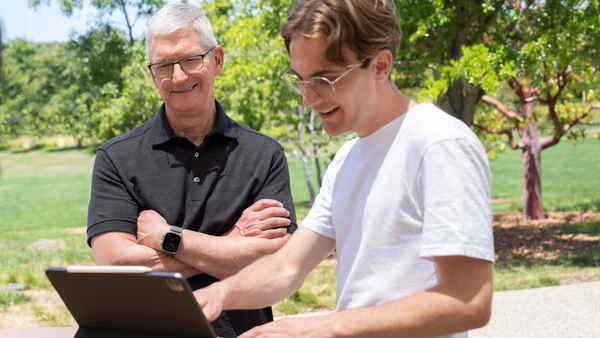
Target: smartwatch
[171,240]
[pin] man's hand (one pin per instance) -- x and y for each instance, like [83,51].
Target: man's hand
[318,326]
[151,227]
[264,219]
[211,301]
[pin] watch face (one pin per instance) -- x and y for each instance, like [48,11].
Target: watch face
[171,242]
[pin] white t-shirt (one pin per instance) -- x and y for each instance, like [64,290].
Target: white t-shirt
[417,188]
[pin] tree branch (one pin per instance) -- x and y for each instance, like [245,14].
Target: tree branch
[517,88]
[549,141]
[562,81]
[574,122]
[553,113]
[507,132]
[554,139]
[501,108]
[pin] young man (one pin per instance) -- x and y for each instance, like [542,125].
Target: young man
[188,191]
[407,204]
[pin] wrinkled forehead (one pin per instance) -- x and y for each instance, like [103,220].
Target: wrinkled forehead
[176,45]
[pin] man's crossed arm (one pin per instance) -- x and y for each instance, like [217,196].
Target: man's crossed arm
[259,231]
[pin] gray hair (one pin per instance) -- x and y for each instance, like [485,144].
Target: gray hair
[179,17]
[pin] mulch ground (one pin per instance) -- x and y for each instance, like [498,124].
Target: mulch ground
[542,240]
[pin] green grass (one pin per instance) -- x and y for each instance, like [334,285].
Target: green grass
[42,194]
[563,270]
[570,178]
[317,293]
[299,186]
[12,297]
[591,228]
[516,278]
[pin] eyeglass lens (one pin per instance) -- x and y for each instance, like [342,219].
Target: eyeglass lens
[187,64]
[318,85]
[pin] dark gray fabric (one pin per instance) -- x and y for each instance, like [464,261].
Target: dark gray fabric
[203,188]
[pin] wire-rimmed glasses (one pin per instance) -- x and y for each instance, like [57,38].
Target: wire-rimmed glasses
[322,86]
[188,64]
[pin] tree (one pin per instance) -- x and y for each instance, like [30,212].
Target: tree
[434,33]
[547,52]
[141,8]
[95,59]
[32,74]
[120,110]
[1,50]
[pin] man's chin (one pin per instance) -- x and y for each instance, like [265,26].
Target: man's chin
[333,131]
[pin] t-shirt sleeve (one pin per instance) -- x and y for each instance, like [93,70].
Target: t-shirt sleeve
[277,187]
[455,179]
[112,207]
[319,217]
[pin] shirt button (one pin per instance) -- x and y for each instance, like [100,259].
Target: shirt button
[196,154]
[196,179]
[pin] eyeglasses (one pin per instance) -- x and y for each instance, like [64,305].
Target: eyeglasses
[188,64]
[320,85]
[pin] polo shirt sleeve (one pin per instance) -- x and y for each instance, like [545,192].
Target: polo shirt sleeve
[111,207]
[455,182]
[277,186]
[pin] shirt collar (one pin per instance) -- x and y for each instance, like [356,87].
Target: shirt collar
[223,125]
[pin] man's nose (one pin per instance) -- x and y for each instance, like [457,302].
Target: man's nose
[309,96]
[178,73]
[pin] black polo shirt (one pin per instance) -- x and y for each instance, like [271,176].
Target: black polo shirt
[203,188]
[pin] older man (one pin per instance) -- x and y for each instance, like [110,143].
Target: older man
[191,190]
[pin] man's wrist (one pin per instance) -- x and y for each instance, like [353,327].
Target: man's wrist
[172,240]
[222,290]
[335,324]
[239,229]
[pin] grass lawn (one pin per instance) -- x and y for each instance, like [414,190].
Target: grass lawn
[570,177]
[44,196]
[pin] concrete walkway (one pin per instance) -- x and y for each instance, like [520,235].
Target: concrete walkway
[566,311]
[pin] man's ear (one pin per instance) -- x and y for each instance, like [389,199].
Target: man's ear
[383,62]
[219,57]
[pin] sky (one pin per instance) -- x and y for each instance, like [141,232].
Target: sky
[47,23]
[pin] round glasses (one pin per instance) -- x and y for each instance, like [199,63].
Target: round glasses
[322,86]
[188,64]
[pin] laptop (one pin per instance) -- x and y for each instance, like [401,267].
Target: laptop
[129,301]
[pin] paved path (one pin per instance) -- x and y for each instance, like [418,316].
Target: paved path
[566,311]
[552,312]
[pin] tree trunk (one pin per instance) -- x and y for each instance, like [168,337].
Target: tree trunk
[303,154]
[462,97]
[461,100]
[129,26]
[532,170]
[532,182]
[315,146]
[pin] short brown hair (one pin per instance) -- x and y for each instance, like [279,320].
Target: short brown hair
[363,26]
